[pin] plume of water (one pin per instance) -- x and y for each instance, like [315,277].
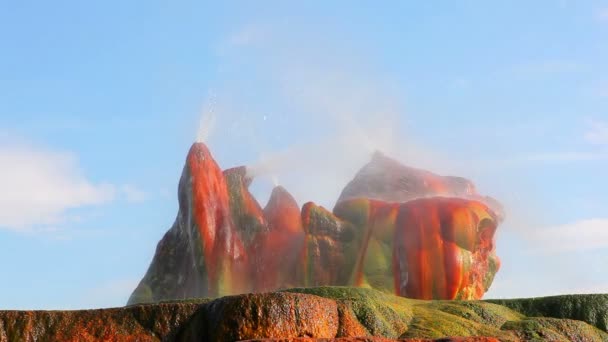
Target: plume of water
[275,180]
[207,121]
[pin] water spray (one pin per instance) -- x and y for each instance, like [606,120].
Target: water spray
[207,121]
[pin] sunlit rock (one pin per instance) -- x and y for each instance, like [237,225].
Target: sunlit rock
[394,228]
[330,248]
[279,247]
[386,179]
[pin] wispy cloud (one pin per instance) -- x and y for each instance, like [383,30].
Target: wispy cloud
[547,67]
[246,36]
[38,186]
[339,111]
[597,133]
[602,14]
[597,89]
[133,194]
[568,156]
[588,288]
[578,236]
[546,157]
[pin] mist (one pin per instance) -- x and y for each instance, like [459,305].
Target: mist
[309,110]
[307,118]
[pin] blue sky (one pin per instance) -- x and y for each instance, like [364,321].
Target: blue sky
[99,103]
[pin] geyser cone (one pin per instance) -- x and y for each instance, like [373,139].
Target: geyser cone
[280,247]
[397,229]
[421,235]
[245,210]
[385,179]
[282,212]
[331,247]
[223,251]
[209,200]
[429,248]
[198,255]
[444,248]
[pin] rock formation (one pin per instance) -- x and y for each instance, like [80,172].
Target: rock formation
[394,228]
[320,314]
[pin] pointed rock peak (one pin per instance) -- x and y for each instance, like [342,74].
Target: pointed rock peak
[282,211]
[240,174]
[280,198]
[199,151]
[378,155]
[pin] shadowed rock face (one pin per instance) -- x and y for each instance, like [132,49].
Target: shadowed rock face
[394,228]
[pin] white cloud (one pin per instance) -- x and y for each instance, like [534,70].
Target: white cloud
[461,83]
[602,15]
[597,133]
[587,288]
[548,67]
[578,236]
[38,186]
[246,36]
[549,157]
[133,194]
[568,156]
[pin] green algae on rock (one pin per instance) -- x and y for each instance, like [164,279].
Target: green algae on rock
[356,314]
[590,308]
[394,228]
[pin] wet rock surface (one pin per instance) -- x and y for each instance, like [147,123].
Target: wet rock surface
[313,314]
[397,229]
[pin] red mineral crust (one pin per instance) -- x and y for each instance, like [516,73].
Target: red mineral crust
[222,251]
[318,314]
[248,219]
[429,248]
[444,248]
[394,228]
[278,247]
[329,247]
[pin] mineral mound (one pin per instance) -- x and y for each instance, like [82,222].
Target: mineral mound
[321,314]
[394,228]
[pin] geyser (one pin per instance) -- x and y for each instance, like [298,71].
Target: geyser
[394,228]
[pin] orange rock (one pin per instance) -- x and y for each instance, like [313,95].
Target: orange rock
[393,229]
[444,249]
[223,252]
[278,248]
[330,248]
[269,315]
[140,323]
[429,248]
[376,339]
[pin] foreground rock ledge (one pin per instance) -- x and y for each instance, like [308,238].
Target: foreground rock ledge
[320,314]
